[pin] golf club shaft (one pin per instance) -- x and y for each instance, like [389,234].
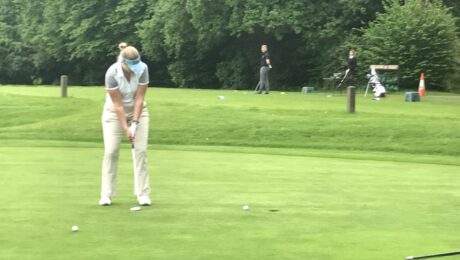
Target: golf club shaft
[434,255]
[344,77]
[136,181]
[257,87]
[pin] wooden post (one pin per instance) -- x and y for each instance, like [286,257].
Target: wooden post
[64,86]
[351,99]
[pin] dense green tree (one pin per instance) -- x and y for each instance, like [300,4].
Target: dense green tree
[418,37]
[78,38]
[81,39]
[188,43]
[15,67]
[216,43]
[455,8]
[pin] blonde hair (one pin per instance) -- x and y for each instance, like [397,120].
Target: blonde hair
[122,45]
[130,53]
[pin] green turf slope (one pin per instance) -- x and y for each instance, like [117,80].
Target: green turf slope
[199,117]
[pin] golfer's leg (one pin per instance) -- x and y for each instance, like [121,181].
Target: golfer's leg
[112,132]
[261,83]
[141,141]
[267,83]
[263,78]
[351,79]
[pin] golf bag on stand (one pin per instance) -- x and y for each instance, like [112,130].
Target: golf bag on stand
[374,81]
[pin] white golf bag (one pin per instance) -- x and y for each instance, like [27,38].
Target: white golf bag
[374,81]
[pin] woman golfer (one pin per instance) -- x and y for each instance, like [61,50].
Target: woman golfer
[352,63]
[125,113]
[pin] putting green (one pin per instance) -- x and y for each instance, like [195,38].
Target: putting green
[301,207]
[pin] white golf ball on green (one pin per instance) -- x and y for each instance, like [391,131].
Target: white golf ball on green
[245,207]
[74,228]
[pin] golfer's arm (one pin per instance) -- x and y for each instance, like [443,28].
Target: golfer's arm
[139,101]
[115,96]
[267,61]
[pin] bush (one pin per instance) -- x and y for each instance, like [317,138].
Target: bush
[417,36]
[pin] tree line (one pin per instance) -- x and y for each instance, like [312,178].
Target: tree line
[215,43]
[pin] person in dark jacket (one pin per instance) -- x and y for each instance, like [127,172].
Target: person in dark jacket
[265,66]
[352,63]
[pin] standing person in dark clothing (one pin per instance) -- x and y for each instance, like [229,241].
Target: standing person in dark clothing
[265,66]
[351,67]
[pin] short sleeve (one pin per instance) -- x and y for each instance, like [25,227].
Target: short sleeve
[110,81]
[144,78]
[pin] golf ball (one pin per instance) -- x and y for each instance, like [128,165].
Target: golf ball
[245,207]
[74,228]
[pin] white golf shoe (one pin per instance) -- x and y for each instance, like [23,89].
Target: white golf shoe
[105,201]
[144,200]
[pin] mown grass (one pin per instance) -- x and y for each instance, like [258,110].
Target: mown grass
[301,207]
[198,117]
[321,183]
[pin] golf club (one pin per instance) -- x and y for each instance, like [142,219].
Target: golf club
[344,77]
[257,88]
[132,129]
[136,181]
[434,255]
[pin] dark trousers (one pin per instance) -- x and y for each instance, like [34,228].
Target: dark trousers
[350,79]
[263,84]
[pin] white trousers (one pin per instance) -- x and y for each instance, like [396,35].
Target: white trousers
[113,134]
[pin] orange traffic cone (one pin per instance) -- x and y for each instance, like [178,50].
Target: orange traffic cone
[421,86]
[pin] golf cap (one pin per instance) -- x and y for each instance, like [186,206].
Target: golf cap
[134,65]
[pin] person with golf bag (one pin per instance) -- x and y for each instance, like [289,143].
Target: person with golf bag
[125,113]
[265,66]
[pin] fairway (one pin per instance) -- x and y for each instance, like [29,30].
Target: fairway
[383,183]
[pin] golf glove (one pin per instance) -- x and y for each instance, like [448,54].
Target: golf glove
[133,128]
[270,66]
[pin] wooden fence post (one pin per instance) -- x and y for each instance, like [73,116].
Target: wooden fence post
[64,82]
[351,99]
